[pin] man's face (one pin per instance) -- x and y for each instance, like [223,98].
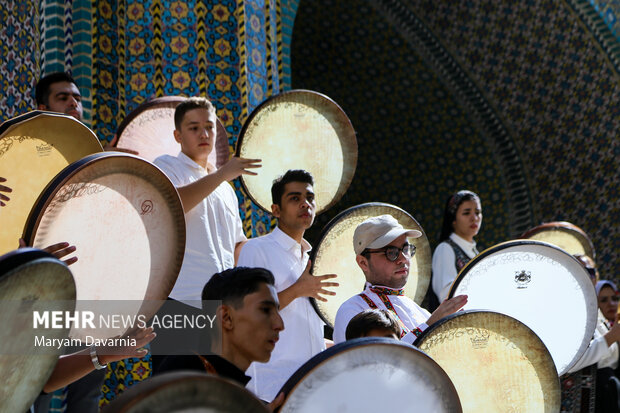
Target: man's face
[256,325]
[297,207]
[64,98]
[197,134]
[381,271]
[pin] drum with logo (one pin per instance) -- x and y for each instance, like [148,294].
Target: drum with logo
[30,280]
[334,254]
[370,375]
[126,221]
[186,392]
[496,363]
[149,130]
[34,147]
[540,285]
[299,129]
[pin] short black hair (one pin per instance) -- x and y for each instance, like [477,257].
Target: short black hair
[371,319]
[42,89]
[196,102]
[292,175]
[232,285]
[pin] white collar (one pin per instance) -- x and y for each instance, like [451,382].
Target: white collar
[288,243]
[465,245]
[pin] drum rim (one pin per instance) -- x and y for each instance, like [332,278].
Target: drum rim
[47,195]
[8,124]
[13,259]
[296,379]
[155,102]
[562,225]
[496,248]
[337,219]
[165,380]
[269,101]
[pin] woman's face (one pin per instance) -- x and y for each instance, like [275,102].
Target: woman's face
[608,302]
[468,219]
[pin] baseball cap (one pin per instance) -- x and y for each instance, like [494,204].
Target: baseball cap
[377,232]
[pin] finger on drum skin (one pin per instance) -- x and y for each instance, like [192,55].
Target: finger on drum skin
[5,188]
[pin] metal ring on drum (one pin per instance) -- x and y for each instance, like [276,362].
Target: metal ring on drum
[565,235]
[366,375]
[334,254]
[540,285]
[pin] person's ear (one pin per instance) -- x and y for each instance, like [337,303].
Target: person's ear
[225,314]
[177,135]
[362,262]
[275,210]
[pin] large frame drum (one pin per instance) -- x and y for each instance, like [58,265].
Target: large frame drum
[540,285]
[370,375]
[496,363]
[34,147]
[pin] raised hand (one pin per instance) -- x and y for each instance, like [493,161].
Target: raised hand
[315,285]
[447,307]
[238,166]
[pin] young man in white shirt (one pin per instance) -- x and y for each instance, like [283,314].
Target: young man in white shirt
[285,253]
[384,255]
[214,233]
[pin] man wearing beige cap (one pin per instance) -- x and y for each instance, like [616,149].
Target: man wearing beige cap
[384,253]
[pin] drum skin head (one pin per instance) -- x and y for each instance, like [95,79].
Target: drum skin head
[540,285]
[126,221]
[186,392]
[366,375]
[334,254]
[149,130]
[565,235]
[299,129]
[34,147]
[496,363]
[29,279]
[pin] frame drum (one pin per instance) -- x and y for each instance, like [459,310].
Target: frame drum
[126,220]
[540,285]
[34,147]
[299,129]
[186,392]
[334,254]
[565,235]
[368,374]
[30,279]
[149,130]
[496,363]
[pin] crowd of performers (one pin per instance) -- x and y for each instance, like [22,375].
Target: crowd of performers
[267,327]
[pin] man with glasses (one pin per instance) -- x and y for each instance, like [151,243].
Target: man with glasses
[384,253]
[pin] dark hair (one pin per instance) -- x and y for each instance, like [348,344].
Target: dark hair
[292,175]
[231,286]
[42,89]
[449,212]
[371,319]
[196,102]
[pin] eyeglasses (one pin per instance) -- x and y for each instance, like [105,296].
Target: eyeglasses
[613,298]
[392,252]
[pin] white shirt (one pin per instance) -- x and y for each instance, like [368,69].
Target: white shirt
[302,337]
[598,351]
[412,315]
[444,271]
[213,228]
